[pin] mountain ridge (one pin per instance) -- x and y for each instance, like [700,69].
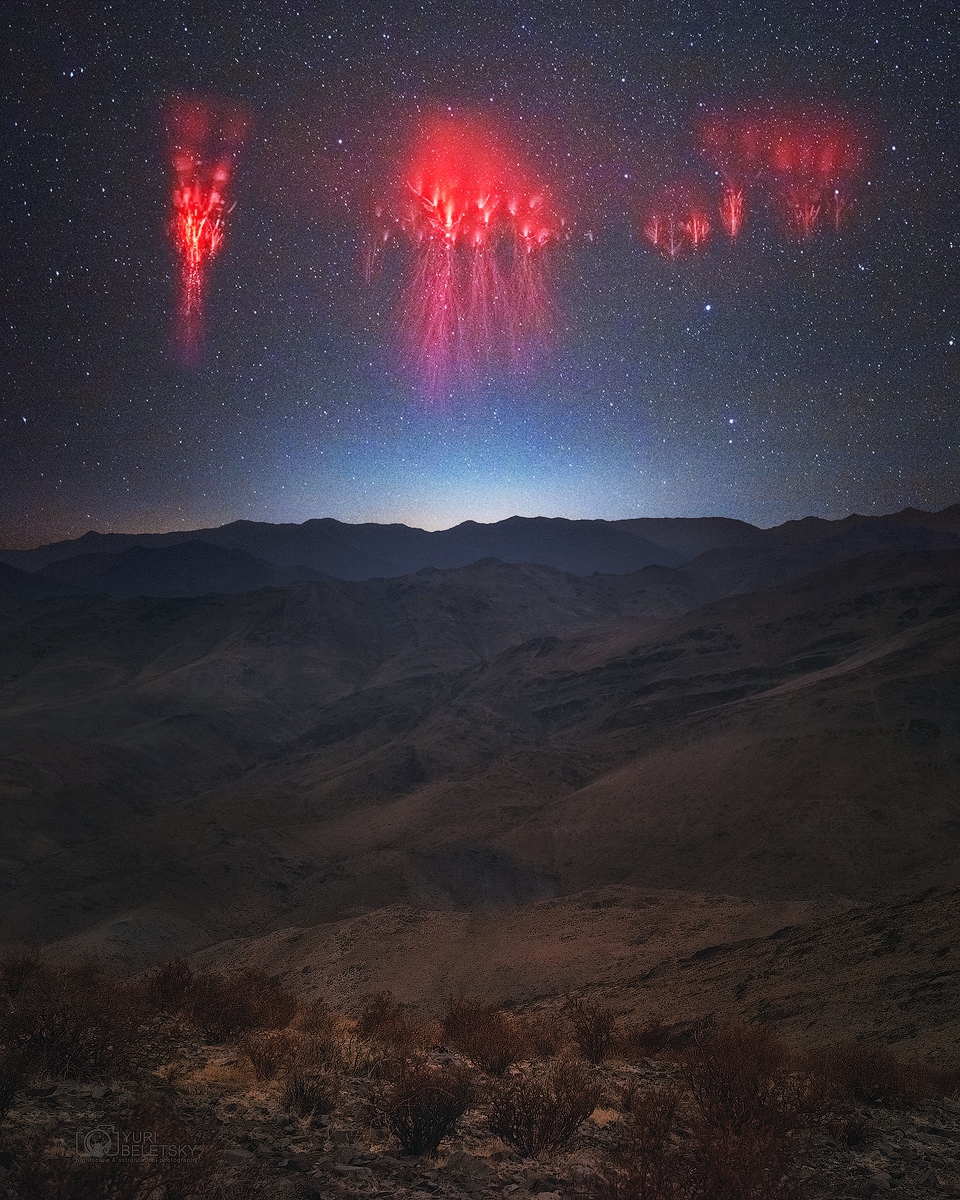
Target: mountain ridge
[247,555]
[370,550]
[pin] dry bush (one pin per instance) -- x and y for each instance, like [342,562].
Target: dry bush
[742,1076]
[20,968]
[489,1037]
[753,1113]
[310,1095]
[854,1070]
[869,1072]
[167,987]
[936,1083]
[712,1162]
[358,1057]
[222,1007]
[316,1017]
[379,1014]
[268,1053]
[315,1051]
[396,1027]
[537,1111]
[546,1033]
[275,1051]
[645,1165]
[16,1069]
[742,1163]
[75,1022]
[420,1104]
[633,1042]
[650,1108]
[593,1027]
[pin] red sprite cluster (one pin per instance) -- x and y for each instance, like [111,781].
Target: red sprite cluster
[204,139]
[804,166]
[810,165]
[677,219]
[478,223]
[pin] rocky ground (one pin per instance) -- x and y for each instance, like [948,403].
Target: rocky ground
[896,1145]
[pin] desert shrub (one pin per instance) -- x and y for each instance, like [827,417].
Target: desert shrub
[15,1071]
[380,1012]
[395,1027]
[370,1060]
[546,1033]
[741,1076]
[633,1041]
[275,1051]
[869,1072]
[18,969]
[75,1022]
[753,1111]
[537,1111]
[420,1104]
[644,1165]
[316,1017]
[268,1053]
[653,1109]
[222,1007]
[931,1082]
[711,1162]
[489,1037]
[742,1163]
[593,1027]
[854,1071]
[167,987]
[314,1051]
[310,1095]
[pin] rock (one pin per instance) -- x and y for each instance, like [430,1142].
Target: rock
[238,1157]
[48,1090]
[537,1180]
[471,1172]
[363,1173]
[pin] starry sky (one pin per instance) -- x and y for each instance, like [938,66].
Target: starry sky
[765,380]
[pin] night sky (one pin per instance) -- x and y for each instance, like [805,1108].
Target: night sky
[766,380]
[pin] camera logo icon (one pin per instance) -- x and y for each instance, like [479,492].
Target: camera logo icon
[99,1142]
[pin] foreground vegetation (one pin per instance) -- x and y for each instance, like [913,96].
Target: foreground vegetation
[195,1086]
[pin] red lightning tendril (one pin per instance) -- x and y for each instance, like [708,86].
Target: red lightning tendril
[732,211]
[204,139]
[676,220]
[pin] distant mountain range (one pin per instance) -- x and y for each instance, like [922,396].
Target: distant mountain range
[247,555]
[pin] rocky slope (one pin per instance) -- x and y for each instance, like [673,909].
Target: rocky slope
[575,779]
